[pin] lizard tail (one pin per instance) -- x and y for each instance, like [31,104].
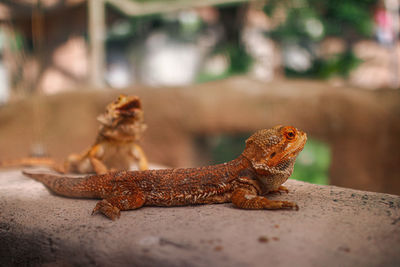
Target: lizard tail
[42,161]
[64,185]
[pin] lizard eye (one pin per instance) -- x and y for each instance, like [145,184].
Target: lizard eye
[290,134]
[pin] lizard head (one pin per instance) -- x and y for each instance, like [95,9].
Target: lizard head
[123,118]
[123,107]
[274,151]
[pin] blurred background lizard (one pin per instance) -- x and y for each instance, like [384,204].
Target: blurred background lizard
[116,146]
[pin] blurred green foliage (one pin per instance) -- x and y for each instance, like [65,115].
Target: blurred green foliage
[343,18]
[230,45]
[137,29]
[303,23]
[203,77]
[340,64]
[227,147]
[312,164]
[239,62]
[239,59]
[307,22]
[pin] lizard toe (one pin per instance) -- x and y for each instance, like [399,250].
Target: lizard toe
[289,205]
[281,189]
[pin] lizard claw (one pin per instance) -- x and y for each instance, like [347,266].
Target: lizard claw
[290,205]
[284,205]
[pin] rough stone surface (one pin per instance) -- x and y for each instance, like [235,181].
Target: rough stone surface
[334,227]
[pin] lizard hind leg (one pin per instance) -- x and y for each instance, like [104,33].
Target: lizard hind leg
[112,206]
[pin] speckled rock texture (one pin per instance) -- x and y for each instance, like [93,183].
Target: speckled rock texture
[334,227]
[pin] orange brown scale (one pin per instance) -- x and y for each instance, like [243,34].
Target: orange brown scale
[262,168]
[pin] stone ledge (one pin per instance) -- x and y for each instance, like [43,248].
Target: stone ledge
[334,227]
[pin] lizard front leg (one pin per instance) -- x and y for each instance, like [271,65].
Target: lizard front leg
[95,155]
[247,199]
[138,154]
[112,206]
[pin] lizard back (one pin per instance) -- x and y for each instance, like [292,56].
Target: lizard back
[162,187]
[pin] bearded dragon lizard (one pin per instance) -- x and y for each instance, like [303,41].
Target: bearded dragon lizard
[265,164]
[115,147]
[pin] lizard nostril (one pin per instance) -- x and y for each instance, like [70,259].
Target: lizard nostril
[272,155]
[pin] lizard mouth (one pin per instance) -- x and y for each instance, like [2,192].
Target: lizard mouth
[129,108]
[130,105]
[133,104]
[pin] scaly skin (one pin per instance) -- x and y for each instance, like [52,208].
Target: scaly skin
[115,147]
[265,164]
